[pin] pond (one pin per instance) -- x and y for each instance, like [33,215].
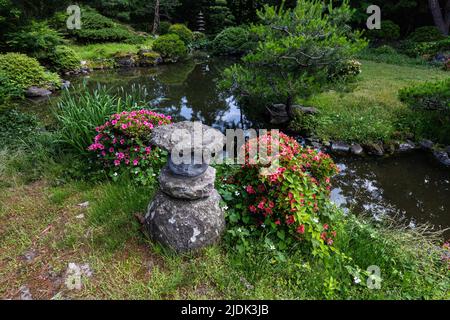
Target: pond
[411,187]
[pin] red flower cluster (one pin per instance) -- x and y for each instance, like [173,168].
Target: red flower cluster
[292,196]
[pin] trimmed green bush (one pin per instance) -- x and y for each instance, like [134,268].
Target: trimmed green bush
[20,72]
[170,47]
[164,27]
[426,34]
[385,49]
[98,29]
[389,31]
[428,96]
[232,41]
[37,39]
[64,58]
[185,34]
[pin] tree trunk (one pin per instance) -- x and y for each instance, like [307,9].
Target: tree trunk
[441,17]
[289,107]
[156,21]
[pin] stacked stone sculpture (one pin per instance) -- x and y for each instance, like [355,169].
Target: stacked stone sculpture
[185,214]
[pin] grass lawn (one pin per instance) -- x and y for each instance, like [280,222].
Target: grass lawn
[372,111]
[108,50]
[43,228]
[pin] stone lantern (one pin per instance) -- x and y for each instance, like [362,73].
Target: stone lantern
[186,214]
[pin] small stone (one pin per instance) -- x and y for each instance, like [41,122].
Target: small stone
[80,216]
[278,114]
[185,225]
[374,149]
[305,110]
[84,204]
[65,85]
[406,147]
[442,157]
[356,149]
[339,147]
[25,293]
[29,255]
[180,187]
[426,145]
[36,92]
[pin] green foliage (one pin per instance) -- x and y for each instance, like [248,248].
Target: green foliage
[284,202]
[291,60]
[97,28]
[385,49]
[434,96]
[233,41]
[219,16]
[19,72]
[389,31]
[346,70]
[164,27]
[64,58]
[426,34]
[17,127]
[183,32]
[36,39]
[171,47]
[77,117]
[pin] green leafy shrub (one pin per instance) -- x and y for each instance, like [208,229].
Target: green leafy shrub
[20,72]
[426,34]
[428,96]
[232,41]
[385,49]
[430,110]
[97,28]
[289,202]
[185,34]
[170,47]
[346,70]
[17,127]
[123,146]
[164,27]
[36,39]
[389,31]
[64,58]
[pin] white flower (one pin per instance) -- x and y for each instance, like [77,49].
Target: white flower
[115,174]
[316,220]
[357,280]
[237,193]
[225,208]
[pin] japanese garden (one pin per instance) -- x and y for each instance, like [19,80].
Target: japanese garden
[316,135]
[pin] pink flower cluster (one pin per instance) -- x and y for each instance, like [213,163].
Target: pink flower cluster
[124,139]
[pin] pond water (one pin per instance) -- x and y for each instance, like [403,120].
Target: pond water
[412,187]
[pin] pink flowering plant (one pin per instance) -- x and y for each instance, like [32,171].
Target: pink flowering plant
[122,145]
[291,202]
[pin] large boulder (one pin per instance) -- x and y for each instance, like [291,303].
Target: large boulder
[442,157]
[185,225]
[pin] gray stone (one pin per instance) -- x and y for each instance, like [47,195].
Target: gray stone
[442,157]
[305,110]
[407,146]
[448,150]
[185,225]
[188,135]
[278,114]
[356,149]
[374,149]
[180,187]
[65,84]
[36,92]
[126,60]
[189,168]
[426,145]
[339,147]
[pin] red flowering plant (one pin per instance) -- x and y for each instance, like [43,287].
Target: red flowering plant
[290,201]
[122,145]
